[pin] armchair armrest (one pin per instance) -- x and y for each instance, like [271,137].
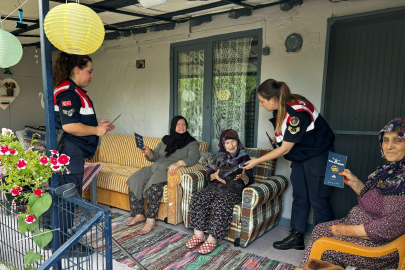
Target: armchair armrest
[174,180]
[95,157]
[261,192]
[193,182]
[326,243]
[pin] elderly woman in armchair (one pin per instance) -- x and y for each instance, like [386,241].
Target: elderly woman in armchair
[380,216]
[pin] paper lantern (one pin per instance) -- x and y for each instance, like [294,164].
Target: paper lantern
[152,3]
[188,96]
[74,28]
[223,94]
[10,49]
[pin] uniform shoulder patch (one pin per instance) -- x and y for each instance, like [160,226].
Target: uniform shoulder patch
[293,130]
[66,103]
[294,121]
[69,112]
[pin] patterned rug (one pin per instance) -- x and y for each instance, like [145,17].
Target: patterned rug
[164,249]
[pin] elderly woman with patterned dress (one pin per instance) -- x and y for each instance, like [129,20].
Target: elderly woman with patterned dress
[179,149]
[380,216]
[211,208]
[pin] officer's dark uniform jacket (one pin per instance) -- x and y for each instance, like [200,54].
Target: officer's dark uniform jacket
[72,105]
[304,126]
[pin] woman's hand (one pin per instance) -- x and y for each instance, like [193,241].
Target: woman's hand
[216,176]
[353,231]
[146,150]
[338,230]
[172,168]
[351,180]
[272,141]
[250,164]
[242,175]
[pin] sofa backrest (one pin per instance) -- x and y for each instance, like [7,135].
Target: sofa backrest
[121,149]
[263,170]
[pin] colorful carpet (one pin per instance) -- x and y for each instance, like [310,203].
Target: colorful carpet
[164,249]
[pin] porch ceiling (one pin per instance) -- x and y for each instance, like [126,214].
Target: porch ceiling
[126,17]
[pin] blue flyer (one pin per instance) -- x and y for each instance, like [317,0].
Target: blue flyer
[336,163]
[138,140]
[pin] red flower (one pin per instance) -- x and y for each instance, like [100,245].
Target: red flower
[38,192]
[54,161]
[4,149]
[63,159]
[15,191]
[44,160]
[54,152]
[21,164]
[55,168]
[13,152]
[29,219]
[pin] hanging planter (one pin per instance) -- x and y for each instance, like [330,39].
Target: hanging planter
[10,49]
[74,29]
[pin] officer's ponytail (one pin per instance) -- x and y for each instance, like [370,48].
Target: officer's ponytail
[282,94]
[65,63]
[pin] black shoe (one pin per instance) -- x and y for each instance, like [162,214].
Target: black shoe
[294,240]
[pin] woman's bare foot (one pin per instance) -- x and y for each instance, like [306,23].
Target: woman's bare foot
[199,234]
[149,225]
[137,219]
[212,239]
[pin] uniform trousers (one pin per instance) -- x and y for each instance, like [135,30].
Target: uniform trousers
[211,209]
[307,179]
[154,196]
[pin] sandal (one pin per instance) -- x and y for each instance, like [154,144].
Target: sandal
[194,241]
[206,248]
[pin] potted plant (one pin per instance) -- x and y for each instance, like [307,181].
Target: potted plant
[23,177]
[9,88]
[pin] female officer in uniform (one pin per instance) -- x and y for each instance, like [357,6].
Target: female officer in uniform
[74,113]
[305,139]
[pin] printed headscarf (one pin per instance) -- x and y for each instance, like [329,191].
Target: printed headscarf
[176,140]
[390,178]
[223,157]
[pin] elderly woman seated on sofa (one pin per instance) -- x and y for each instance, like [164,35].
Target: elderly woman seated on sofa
[380,216]
[224,190]
[179,149]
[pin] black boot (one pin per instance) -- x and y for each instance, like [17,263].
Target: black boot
[294,240]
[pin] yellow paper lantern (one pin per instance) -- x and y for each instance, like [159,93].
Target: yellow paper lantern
[74,28]
[223,94]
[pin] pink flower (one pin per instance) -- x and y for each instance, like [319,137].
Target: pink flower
[44,160]
[15,191]
[55,168]
[63,159]
[54,161]
[38,192]
[29,219]
[6,132]
[13,152]
[4,149]
[54,152]
[21,164]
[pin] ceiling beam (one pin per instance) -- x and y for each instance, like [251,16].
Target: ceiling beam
[37,36]
[239,3]
[99,8]
[272,4]
[18,19]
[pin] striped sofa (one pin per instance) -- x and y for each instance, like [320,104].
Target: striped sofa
[120,159]
[261,206]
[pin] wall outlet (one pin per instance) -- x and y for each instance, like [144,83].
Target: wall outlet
[140,63]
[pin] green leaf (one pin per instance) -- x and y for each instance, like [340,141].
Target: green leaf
[43,238]
[32,257]
[29,267]
[33,225]
[13,268]
[32,200]
[41,205]
[22,225]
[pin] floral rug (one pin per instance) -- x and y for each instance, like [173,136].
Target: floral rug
[164,249]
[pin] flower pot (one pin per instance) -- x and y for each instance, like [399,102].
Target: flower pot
[10,92]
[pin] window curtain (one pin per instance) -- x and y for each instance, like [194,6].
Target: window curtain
[190,90]
[231,58]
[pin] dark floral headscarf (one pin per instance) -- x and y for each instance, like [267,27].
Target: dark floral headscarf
[390,178]
[223,157]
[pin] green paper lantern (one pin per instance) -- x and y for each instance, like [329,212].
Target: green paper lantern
[10,49]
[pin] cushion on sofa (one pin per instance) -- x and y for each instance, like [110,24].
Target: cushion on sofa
[114,176]
[39,134]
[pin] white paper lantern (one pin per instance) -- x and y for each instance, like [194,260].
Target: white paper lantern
[10,49]
[188,96]
[152,3]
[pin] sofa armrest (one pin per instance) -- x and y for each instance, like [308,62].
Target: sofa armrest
[95,157]
[193,182]
[259,193]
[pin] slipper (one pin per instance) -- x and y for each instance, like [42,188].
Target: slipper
[194,241]
[206,248]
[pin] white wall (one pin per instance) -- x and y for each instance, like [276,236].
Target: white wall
[26,108]
[142,95]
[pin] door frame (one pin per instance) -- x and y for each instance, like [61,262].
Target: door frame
[206,43]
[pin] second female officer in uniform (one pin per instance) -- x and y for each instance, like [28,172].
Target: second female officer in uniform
[305,139]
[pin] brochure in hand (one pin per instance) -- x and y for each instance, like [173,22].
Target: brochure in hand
[336,163]
[234,169]
[139,141]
